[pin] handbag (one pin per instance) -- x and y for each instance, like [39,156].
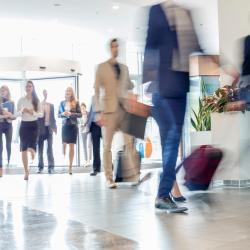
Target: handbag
[235,106]
[135,118]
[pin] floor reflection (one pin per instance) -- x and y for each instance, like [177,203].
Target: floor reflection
[29,229]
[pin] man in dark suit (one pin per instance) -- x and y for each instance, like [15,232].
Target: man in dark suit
[96,135]
[170,41]
[47,126]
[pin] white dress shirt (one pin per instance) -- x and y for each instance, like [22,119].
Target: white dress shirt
[24,102]
[46,112]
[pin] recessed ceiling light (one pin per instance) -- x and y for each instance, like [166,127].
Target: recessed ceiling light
[57,5]
[115,7]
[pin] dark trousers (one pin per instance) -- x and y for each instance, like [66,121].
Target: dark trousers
[48,135]
[96,135]
[169,115]
[6,129]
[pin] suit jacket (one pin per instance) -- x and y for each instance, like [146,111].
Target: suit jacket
[246,57]
[75,113]
[10,105]
[110,92]
[158,57]
[52,121]
[91,117]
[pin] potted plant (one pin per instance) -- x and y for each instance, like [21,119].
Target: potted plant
[208,104]
[202,125]
[201,122]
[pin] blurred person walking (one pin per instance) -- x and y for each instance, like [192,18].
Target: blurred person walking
[29,109]
[245,72]
[112,85]
[7,110]
[69,111]
[47,126]
[85,135]
[96,135]
[171,39]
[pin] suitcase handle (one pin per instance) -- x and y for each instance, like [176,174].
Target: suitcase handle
[177,169]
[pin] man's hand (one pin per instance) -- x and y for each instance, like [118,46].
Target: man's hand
[100,120]
[230,75]
[54,130]
[129,101]
[132,96]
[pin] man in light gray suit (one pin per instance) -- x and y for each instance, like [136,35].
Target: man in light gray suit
[47,126]
[112,86]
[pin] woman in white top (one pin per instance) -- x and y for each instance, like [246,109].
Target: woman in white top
[86,138]
[29,109]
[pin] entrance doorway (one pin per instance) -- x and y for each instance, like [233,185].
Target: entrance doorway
[56,86]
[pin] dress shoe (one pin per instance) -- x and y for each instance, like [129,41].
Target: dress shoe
[168,205]
[40,171]
[51,171]
[94,173]
[178,199]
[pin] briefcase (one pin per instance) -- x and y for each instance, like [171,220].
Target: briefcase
[134,125]
[135,118]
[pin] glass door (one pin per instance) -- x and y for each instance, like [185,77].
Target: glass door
[135,62]
[56,87]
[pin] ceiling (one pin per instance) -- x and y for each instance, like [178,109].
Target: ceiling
[127,22]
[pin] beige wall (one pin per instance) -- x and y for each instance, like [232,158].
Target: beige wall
[234,24]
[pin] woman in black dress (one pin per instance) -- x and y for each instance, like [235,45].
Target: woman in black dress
[29,109]
[69,111]
[7,110]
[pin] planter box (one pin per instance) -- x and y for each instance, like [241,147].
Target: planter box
[231,133]
[200,138]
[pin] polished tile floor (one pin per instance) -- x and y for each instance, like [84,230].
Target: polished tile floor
[25,228]
[78,212]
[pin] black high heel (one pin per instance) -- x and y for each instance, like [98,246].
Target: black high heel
[178,199]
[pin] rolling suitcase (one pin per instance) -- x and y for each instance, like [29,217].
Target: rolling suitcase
[200,167]
[127,167]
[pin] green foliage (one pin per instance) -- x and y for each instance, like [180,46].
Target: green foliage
[201,120]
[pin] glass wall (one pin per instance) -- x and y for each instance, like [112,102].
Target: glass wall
[135,64]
